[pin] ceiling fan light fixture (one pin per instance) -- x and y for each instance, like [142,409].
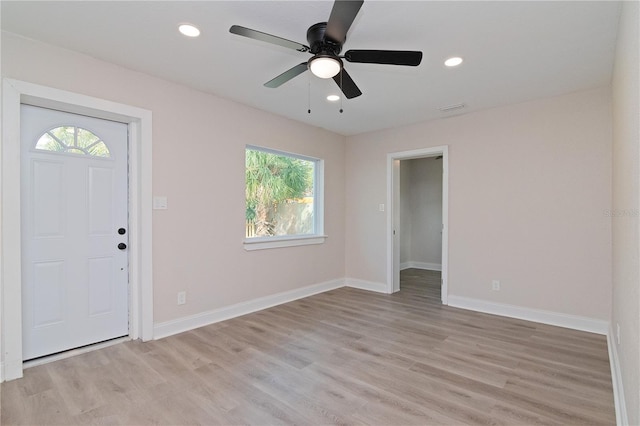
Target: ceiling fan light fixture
[333,98]
[325,66]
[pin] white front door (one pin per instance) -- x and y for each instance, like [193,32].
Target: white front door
[74,231]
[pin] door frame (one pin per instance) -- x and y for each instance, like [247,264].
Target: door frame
[139,121]
[393,191]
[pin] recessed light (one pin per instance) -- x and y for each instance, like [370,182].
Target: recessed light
[189,30]
[453,62]
[333,98]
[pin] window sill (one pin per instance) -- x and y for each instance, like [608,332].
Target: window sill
[279,242]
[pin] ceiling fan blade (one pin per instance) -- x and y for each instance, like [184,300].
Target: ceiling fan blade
[259,35]
[286,76]
[389,57]
[348,86]
[341,18]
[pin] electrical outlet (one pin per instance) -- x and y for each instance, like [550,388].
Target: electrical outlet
[182,297]
[495,285]
[618,333]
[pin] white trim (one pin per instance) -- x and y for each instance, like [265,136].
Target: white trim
[366,285]
[10,264]
[281,153]
[15,92]
[421,265]
[574,322]
[11,367]
[619,402]
[251,244]
[408,155]
[180,325]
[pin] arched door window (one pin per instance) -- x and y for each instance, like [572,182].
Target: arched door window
[73,140]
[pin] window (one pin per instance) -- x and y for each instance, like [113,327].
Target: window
[73,140]
[283,194]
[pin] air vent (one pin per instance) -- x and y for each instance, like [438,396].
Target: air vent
[451,108]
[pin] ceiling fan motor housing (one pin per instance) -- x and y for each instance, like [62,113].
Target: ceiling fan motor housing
[320,44]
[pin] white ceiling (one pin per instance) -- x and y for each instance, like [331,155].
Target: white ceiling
[514,51]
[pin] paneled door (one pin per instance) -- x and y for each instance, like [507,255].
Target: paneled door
[74,231]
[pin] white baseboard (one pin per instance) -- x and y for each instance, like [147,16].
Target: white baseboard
[168,328]
[616,377]
[421,265]
[366,285]
[574,322]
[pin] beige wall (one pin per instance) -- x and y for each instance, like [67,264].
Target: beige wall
[405,211]
[198,163]
[626,204]
[528,188]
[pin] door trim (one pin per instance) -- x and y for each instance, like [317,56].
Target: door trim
[15,92]
[392,188]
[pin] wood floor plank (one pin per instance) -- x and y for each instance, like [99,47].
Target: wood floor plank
[344,357]
[401,383]
[379,400]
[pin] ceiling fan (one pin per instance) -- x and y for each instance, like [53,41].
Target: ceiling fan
[325,43]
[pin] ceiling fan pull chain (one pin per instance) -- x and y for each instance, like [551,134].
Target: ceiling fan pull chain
[309,97]
[341,90]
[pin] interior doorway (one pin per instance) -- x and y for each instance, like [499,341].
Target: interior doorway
[420,225]
[418,215]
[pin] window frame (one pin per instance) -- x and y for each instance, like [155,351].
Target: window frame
[279,241]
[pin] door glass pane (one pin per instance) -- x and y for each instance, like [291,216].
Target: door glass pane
[73,140]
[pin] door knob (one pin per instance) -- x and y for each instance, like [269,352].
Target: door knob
[122,231]
[122,246]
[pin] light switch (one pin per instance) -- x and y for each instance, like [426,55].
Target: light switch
[381,207]
[159,203]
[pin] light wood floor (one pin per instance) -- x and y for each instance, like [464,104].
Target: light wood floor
[343,357]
